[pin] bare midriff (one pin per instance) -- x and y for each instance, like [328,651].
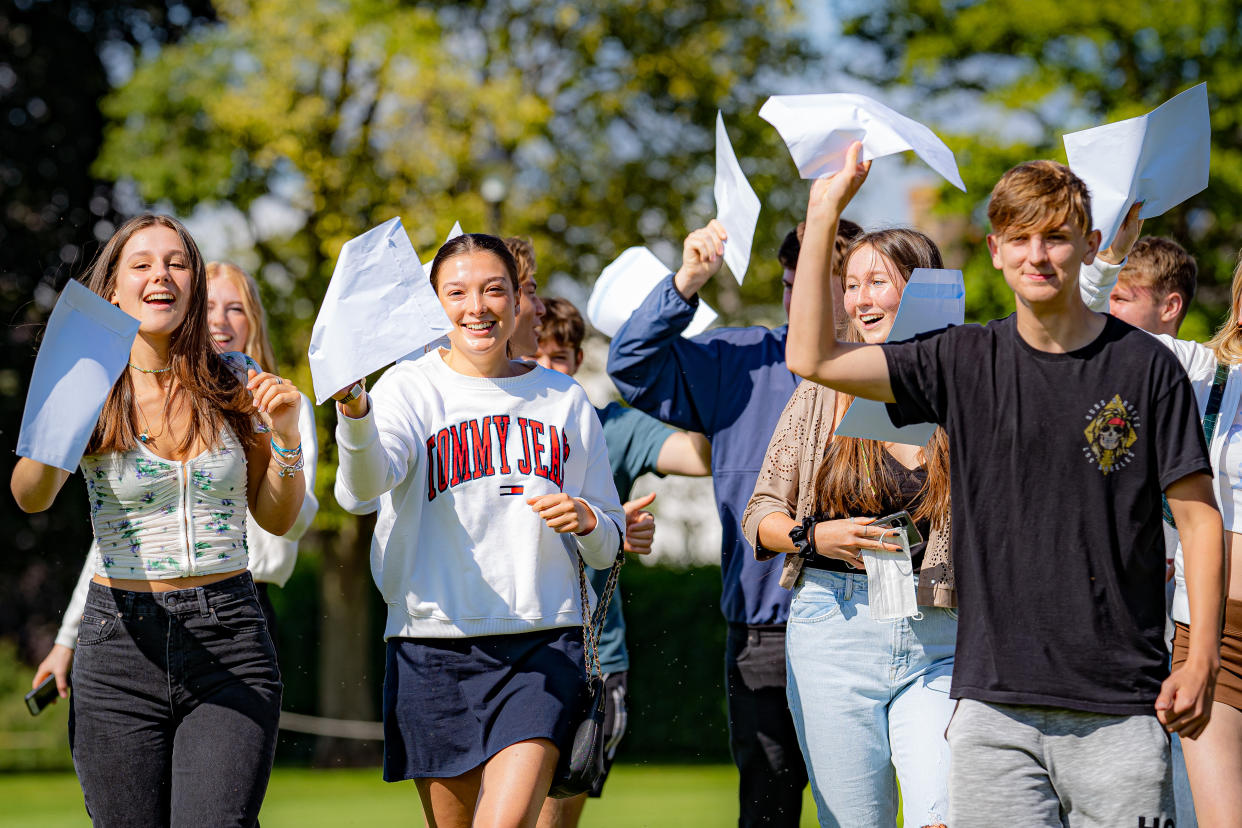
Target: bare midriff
[166,585]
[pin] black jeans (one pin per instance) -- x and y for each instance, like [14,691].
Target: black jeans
[175,706]
[761,729]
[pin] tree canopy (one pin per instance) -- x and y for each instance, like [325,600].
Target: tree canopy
[1003,80]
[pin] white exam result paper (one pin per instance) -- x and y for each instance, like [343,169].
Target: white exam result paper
[454,233]
[932,299]
[1160,159]
[379,307]
[624,284]
[85,348]
[737,206]
[818,129]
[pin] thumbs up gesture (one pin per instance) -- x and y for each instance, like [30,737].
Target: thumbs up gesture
[639,525]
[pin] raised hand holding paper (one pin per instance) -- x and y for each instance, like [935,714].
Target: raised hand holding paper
[379,307]
[623,286]
[85,348]
[931,300]
[818,129]
[1160,159]
[737,206]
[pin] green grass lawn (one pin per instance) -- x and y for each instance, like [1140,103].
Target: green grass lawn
[637,795]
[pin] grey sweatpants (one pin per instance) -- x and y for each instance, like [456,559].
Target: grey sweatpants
[1048,766]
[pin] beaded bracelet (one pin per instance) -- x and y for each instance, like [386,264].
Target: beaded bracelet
[289,469]
[284,452]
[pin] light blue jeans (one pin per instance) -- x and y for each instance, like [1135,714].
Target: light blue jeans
[867,697]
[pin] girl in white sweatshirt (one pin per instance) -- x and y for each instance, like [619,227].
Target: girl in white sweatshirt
[492,479]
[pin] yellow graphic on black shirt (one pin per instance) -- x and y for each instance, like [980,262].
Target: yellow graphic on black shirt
[1111,434]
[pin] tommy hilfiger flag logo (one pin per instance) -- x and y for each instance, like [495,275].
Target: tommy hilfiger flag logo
[512,490]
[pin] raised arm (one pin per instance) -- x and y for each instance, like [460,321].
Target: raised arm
[656,369]
[277,483]
[1097,279]
[812,350]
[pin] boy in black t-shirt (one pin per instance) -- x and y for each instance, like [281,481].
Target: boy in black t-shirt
[1065,426]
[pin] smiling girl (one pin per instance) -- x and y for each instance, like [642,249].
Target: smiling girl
[176,700]
[868,696]
[493,480]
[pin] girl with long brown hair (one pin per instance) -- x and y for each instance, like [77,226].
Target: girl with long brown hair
[176,700]
[236,322]
[867,695]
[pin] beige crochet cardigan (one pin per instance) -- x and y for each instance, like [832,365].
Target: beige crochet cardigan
[787,485]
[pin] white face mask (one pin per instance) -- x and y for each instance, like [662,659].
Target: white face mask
[890,580]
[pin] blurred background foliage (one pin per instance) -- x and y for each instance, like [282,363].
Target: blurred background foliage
[284,128]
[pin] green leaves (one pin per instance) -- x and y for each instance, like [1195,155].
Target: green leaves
[1064,67]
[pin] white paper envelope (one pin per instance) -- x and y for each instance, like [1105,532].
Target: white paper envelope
[818,129]
[85,348]
[379,307]
[623,286]
[737,206]
[454,233]
[932,299]
[1160,159]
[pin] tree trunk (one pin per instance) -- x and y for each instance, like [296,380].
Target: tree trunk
[347,690]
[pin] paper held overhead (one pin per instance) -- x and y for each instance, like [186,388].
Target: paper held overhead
[818,129]
[1160,159]
[623,286]
[454,233]
[85,348]
[737,206]
[379,307]
[932,299]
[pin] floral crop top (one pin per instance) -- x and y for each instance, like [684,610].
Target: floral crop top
[156,518]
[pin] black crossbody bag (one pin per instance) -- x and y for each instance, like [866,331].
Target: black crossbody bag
[582,762]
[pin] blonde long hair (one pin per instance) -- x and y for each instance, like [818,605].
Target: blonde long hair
[1227,343]
[853,479]
[257,346]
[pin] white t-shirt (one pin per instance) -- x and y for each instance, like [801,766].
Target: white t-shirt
[453,459]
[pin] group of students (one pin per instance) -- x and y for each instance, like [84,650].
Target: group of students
[1028,683]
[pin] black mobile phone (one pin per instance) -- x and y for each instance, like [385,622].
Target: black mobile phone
[42,696]
[901,520]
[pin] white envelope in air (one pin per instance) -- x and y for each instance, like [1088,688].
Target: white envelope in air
[623,286]
[454,233]
[818,129]
[932,300]
[1160,159]
[379,307]
[85,348]
[737,206]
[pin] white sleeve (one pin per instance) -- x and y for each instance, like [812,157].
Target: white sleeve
[1197,359]
[310,456]
[1096,282]
[599,547]
[377,450]
[67,635]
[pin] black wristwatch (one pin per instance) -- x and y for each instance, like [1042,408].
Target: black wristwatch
[803,537]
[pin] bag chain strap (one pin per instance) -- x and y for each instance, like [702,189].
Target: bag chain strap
[592,627]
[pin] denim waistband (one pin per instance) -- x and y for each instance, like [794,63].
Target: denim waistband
[127,603]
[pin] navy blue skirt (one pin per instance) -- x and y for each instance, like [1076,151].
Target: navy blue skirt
[450,704]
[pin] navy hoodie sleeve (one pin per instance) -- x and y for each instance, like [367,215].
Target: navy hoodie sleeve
[657,370]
